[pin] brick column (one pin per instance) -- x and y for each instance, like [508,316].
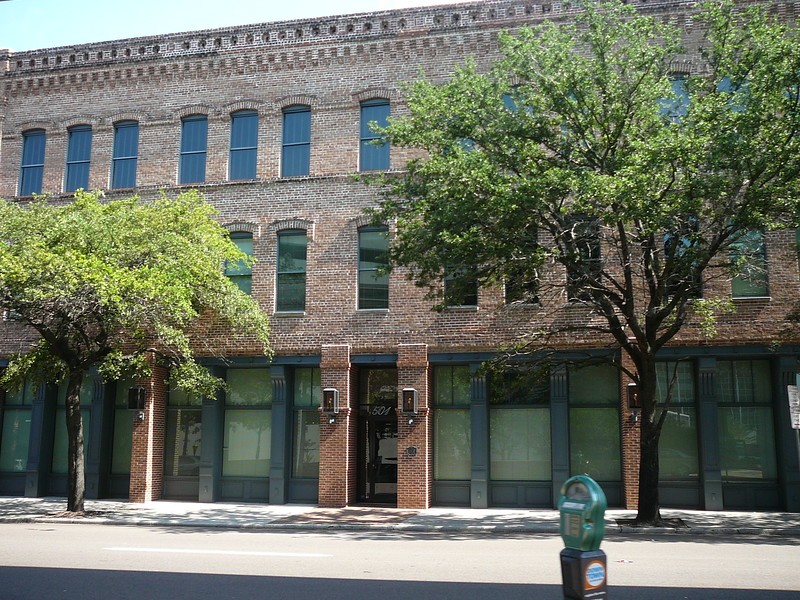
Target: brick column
[337,457]
[414,456]
[631,433]
[147,451]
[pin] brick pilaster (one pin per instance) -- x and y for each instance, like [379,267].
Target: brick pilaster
[414,456]
[337,467]
[147,451]
[631,432]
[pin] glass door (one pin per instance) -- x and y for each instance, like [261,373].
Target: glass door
[377,436]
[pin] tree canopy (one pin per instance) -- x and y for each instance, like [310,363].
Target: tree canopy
[641,160]
[115,285]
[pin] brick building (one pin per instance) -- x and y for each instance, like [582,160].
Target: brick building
[268,121]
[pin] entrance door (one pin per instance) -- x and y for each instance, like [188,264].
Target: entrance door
[377,436]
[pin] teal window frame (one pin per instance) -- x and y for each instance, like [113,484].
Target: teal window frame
[306,400]
[194,146]
[240,272]
[374,154]
[244,145]
[753,282]
[296,142]
[31,177]
[79,153]
[125,154]
[290,283]
[452,431]
[373,280]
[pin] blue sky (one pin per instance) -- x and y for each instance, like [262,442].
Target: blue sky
[34,24]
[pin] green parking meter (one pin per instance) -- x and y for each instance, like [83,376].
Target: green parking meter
[582,506]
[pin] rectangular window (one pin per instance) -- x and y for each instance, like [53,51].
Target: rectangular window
[452,435]
[374,153]
[125,157]
[373,259]
[674,109]
[290,292]
[519,427]
[123,430]
[194,141]
[459,291]
[747,436]
[60,439]
[247,443]
[15,418]
[594,438]
[581,246]
[749,256]
[79,151]
[522,281]
[241,273]
[244,145]
[32,171]
[296,156]
[677,450]
[305,441]
[183,438]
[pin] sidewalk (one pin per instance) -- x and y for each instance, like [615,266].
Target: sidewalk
[463,520]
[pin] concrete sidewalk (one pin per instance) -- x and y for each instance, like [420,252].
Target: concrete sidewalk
[463,520]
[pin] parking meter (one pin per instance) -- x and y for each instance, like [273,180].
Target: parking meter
[582,506]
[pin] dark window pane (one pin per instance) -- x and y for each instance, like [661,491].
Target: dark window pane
[240,273]
[373,156]
[750,254]
[126,144]
[243,164]
[296,154]
[373,284]
[194,137]
[32,171]
[291,279]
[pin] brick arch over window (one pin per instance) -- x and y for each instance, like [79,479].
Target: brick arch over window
[194,109]
[286,224]
[31,125]
[91,121]
[233,107]
[297,100]
[243,227]
[392,95]
[139,117]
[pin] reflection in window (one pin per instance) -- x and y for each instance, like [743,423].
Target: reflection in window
[519,427]
[184,434]
[460,290]
[584,266]
[677,451]
[290,288]
[749,256]
[15,418]
[247,443]
[374,155]
[747,436]
[373,259]
[123,431]
[452,439]
[240,272]
[594,439]
[305,441]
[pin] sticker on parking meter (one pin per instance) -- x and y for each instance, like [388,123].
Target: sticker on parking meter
[595,575]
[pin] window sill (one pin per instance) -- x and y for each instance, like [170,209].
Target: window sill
[466,308]
[372,311]
[751,298]
[289,314]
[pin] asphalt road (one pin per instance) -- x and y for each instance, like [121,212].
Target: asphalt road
[93,562]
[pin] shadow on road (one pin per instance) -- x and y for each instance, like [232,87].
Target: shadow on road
[26,583]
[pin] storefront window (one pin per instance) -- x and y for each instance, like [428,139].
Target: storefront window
[747,437]
[594,440]
[305,441]
[184,434]
[16,429]
[60,441]
[677,451]
[519,427]
[247,444]
[123,431]
[452,440]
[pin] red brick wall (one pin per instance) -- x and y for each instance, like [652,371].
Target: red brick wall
[414,456]
[337,466]
[147,452]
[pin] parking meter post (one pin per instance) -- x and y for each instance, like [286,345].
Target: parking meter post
[582,505]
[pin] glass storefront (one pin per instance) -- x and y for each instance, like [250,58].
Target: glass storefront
[59,465]
[678,448]
[452,440]
[247,443]
[519,427]
[184,434]
[305,440]
[123,431]
[15,418]
[594,436]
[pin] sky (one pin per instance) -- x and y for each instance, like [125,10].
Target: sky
[35,24]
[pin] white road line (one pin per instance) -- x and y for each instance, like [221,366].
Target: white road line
[219,552]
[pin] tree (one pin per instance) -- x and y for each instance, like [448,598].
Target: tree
[113,286]
[581,147]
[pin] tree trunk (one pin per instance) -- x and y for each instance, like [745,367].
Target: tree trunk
[76,487]
[649,509]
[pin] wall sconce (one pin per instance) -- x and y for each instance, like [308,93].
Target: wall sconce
[136,399]
[634,403]
[410,404]
[330,404]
